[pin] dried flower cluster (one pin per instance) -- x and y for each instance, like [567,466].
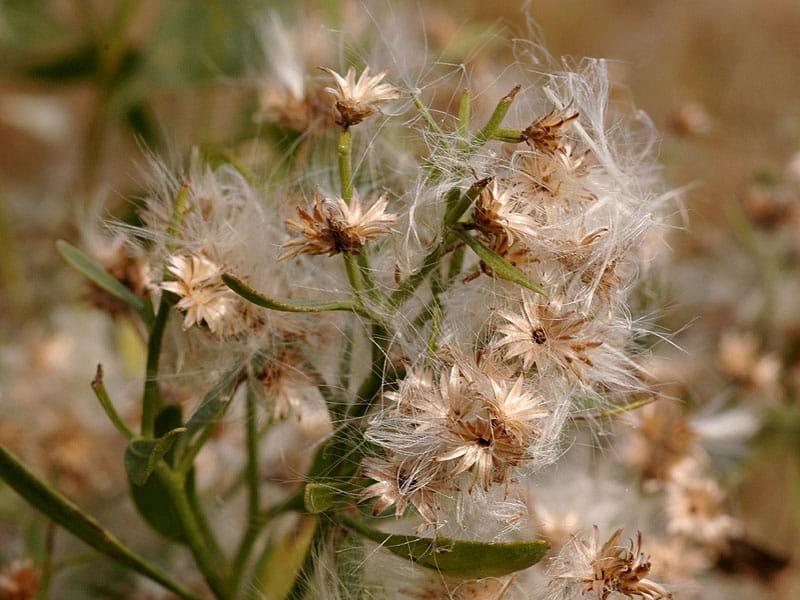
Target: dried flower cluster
[607,571]
[431,352]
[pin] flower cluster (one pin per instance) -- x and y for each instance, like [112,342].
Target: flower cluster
[428,347]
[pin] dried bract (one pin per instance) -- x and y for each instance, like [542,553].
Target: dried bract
[356,100]
[332,227]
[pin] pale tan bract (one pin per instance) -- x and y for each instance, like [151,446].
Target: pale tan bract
[203,296]
[332,227]
[546,335]
[357,100]
[606,572]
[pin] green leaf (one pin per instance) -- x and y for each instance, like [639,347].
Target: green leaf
[457,558]
[496,119]
[499,265]
[78,64]
[279,565]
[285,304]
[213,404]
[152,499]
[66,514]
[89,268]
[142,455]
[141,120]
[457,204]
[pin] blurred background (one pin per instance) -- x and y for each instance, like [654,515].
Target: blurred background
[86,86]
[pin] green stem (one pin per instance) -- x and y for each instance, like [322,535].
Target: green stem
[205,560]
[254,528]
[253,483]
[102,395]
[48,568]
[512,136]
[371,286]
[500,111]
[66,514]
[412,282]
[345,152]
[426,115]
[202,522]
[464,113]
[354,277]
[151,396]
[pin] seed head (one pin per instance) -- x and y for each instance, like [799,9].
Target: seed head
[356,100]
[203,296]
[332,227]
[585,568]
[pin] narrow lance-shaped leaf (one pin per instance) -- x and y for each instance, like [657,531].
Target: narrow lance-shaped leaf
[457,204]
[285,304]
[70,517]
[499,265]
[82,263]
[457,558]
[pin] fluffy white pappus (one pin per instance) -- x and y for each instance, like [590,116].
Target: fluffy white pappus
[284,54]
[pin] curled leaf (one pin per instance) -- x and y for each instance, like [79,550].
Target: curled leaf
[143,454]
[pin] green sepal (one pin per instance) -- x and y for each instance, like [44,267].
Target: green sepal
[322,497]
[457,558]
[499,265]
[285,304]
[142,455]
[84,264]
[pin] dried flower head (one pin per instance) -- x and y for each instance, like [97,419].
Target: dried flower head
[584,567]
[502,217]
[356,100]
[470,420]
[545,134]
[548,336]
[19,580]
[695,507]
[400,486]
[332,227]
[203,296]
